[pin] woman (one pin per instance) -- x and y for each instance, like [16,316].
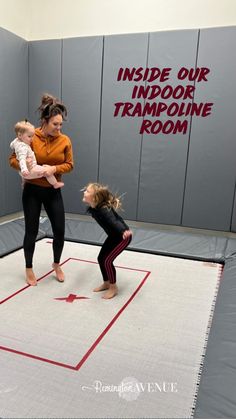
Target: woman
[53,150]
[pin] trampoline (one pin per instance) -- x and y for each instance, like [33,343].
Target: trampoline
[159,349]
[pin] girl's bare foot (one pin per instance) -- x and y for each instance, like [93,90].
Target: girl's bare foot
[30,277]
[102,287]
[113,290]
[59,272]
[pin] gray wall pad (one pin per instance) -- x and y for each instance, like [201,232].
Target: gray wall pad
[216,396]
[84,232]
[77,231]
[12,235]
[186,245]
[230,250]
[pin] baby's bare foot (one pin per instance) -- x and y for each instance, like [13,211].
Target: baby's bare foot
[58,185]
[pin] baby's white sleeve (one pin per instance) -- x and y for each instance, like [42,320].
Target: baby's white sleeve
[32,155]
[21,151]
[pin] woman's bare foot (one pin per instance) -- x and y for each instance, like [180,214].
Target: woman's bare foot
[30,277]
[113,290]
[59,272]
[102,287]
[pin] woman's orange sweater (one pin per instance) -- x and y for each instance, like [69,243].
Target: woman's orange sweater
[54,151]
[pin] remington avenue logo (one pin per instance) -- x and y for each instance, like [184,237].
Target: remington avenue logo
[130,388]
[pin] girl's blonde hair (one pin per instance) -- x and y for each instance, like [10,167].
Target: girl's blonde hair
[103,197]
[22,126]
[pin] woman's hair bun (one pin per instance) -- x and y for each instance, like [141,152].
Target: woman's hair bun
[51,106]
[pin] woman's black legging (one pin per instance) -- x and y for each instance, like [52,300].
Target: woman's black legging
[33,197]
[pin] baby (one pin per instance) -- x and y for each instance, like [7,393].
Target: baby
[21,145]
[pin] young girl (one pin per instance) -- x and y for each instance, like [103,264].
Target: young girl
[102,206]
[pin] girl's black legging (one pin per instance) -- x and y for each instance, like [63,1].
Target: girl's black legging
[111,248]
[33,197]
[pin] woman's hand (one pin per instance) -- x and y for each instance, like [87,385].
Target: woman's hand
[49,170]
[126,234]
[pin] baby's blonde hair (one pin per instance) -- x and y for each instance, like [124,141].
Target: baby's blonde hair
[104,197]
[22,126]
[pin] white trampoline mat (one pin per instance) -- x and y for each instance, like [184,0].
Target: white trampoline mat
[137,355]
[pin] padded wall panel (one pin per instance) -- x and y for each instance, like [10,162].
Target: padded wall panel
[119,163]
[13,107]
[211,165]
[44,73]
[81,91]
[233,221]
[163,162]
